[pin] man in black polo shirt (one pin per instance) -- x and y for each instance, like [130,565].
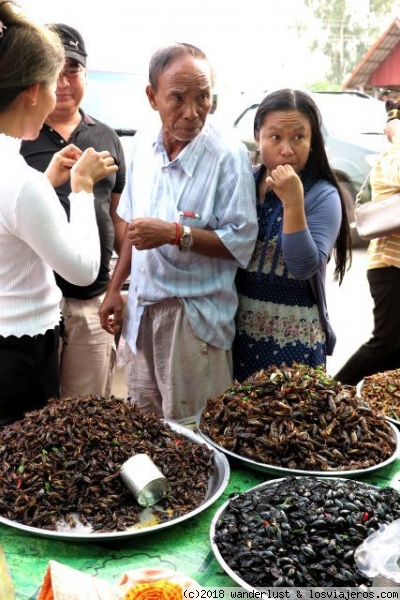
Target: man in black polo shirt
[87,356]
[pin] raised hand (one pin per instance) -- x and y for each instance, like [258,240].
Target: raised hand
[92,166]
[58,171]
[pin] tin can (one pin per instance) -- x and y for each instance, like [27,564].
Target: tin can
[146,482]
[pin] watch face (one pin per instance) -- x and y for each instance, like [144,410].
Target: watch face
[187,240]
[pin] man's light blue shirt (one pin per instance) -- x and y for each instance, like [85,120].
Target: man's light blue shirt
[211,177]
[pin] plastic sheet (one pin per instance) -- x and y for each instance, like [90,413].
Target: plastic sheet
[378,556]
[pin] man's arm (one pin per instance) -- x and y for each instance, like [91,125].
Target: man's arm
[147,232]
[119,224]
[111,309]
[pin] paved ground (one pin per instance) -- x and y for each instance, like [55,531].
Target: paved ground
[350,310]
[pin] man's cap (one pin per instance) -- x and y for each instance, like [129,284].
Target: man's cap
[73,42]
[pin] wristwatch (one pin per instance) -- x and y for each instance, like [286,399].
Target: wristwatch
[187,239]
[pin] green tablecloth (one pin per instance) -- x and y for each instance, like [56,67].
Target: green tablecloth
[185,547]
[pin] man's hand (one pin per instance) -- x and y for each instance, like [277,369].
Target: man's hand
[110,312]
[58,171]
[147,232]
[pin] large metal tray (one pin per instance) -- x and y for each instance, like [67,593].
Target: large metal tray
[283,471]
[218,481]
[220,514]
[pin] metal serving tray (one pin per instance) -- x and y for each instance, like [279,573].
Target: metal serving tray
[283,471]
[220,514]
[217,484]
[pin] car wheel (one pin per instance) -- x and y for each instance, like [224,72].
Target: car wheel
[349,200]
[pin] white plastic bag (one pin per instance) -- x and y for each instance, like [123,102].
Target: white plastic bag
[378,556]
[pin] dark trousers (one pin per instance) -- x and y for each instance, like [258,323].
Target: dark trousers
[29,373]
[382,351]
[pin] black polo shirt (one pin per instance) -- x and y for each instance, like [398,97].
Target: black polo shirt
[90,133]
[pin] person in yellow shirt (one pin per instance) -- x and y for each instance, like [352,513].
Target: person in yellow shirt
[382,351]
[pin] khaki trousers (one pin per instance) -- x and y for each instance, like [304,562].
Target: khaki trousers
[174,373]
[87,358]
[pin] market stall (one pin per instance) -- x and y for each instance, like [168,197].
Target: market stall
[310,427]
[185,547]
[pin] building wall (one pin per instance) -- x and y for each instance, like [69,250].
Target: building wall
[388,73]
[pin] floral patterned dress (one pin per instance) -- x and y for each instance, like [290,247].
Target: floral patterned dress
[277,321]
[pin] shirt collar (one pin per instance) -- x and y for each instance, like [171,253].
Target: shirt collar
[190,155]
[87,118]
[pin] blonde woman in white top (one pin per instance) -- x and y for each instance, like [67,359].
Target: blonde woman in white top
[382,351]
[35,236]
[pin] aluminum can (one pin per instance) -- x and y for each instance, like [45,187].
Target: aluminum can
[144,479]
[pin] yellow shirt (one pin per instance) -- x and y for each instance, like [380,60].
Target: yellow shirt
[385,181]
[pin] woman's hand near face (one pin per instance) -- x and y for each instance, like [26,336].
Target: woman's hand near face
[91,167]
[287,185]
[58,171]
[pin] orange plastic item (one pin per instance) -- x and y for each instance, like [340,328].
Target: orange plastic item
[162,589]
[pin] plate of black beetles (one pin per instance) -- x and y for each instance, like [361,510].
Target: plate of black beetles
[299,531]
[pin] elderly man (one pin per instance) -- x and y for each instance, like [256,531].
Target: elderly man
[87,355]
[189,203]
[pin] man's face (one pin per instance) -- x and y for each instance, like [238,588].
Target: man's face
[183,98]
[71,85]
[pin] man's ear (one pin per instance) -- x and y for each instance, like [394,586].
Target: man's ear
[32,93]
[151,97]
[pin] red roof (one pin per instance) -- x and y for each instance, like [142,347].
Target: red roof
[380,67]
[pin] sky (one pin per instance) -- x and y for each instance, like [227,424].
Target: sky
[247,43]
[253,45]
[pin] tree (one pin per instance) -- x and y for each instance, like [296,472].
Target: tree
[348,32]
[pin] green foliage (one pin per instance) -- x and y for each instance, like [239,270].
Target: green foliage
[346,37]
[323,86]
